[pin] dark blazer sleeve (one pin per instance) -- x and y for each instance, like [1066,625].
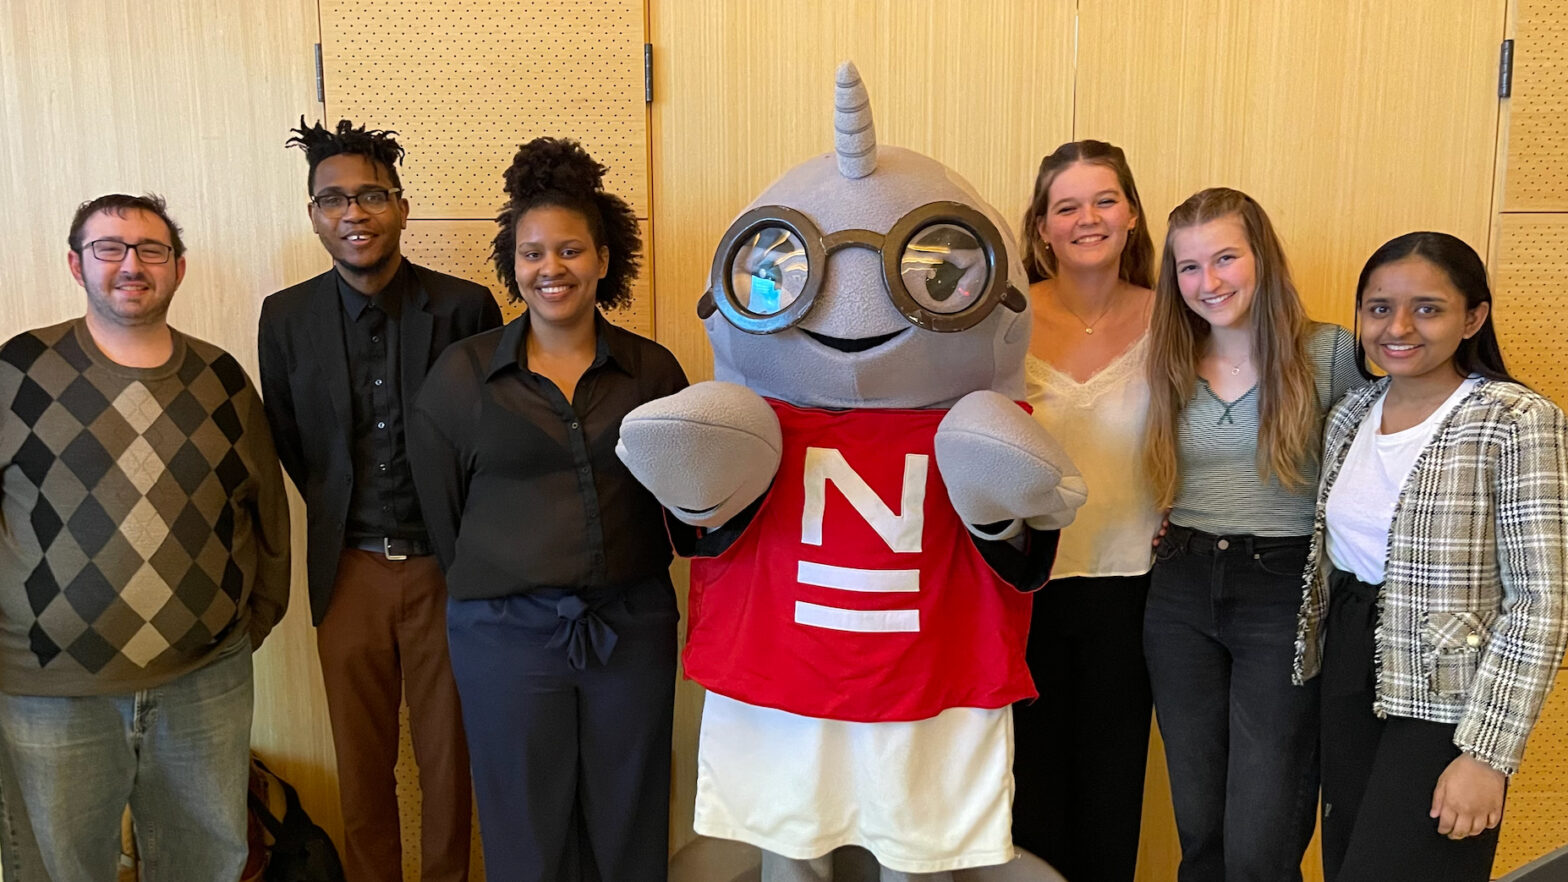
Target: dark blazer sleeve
[488,315]
[278,400]
[442,419]
[467,307]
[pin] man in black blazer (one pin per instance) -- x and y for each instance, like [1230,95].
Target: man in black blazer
[342,358]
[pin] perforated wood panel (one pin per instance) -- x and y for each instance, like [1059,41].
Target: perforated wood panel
[1537,172]
[1532,304]
[464,82]
[1534,821]
[462,248]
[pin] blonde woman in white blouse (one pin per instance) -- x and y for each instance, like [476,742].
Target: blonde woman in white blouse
[1079,764]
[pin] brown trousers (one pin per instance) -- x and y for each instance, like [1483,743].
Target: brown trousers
[384,632]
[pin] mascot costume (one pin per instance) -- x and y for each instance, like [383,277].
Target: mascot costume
[873,508]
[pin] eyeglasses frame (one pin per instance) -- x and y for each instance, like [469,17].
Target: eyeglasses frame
[137,247]
[998,290]
[353,199]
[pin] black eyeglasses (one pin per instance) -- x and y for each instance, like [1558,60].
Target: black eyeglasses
[944,266]
[372,201]
[113,250]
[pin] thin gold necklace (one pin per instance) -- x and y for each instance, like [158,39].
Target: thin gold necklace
[1088,327]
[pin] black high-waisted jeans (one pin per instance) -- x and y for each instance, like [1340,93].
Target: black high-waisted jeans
[1241,741]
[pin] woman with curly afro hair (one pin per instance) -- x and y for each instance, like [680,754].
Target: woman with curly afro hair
[561,616]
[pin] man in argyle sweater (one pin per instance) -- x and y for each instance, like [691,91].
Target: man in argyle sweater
[144,554]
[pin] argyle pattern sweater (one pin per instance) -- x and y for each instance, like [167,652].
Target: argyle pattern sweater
[143,522]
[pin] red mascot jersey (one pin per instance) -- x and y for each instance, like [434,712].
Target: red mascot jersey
[855,593]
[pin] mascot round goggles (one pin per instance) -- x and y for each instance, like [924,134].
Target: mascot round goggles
[946,269]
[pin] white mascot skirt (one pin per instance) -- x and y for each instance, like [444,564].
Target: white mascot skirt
[923,797]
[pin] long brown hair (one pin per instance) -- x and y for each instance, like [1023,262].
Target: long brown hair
[1137,265]
[1289,414]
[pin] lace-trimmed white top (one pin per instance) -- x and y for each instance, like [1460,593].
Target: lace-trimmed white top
[1100,422]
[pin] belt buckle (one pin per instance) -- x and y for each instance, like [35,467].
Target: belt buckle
[386,549]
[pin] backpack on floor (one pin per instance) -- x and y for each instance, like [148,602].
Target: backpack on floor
[285,844]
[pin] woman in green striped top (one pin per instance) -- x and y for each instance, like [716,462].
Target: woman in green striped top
[1239,380]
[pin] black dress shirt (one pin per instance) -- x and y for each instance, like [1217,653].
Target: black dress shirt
[383,502]
[522,489]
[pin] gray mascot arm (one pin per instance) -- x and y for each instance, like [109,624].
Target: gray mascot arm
[705,453]
[1002,468]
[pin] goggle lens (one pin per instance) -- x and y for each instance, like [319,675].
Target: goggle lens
[769,271]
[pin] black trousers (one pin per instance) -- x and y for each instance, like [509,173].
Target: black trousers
[568,701]
[1080,749]
[1379,774]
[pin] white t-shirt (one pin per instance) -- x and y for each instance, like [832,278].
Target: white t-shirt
[1361,504]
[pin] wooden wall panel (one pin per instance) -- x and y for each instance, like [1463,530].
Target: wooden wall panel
[1350,123]
[1529,263]
[192,100]
[1529,275]
[466,81]
[1536,819]
[984,87]
[743,91]
[1537,167]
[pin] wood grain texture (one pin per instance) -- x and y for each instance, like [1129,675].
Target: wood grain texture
[744,91]
[1349,123]
[192,100]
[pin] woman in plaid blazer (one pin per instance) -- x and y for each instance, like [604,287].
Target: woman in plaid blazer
[1434,610]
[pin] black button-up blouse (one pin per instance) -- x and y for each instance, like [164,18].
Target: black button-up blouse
[520,488]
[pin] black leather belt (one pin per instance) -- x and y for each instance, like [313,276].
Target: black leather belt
[392,549]
[1199,542]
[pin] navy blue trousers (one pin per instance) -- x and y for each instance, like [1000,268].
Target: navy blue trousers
[568,701]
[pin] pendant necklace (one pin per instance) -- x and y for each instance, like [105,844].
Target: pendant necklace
[1088,327]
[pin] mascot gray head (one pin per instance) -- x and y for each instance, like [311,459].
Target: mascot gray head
[868,277]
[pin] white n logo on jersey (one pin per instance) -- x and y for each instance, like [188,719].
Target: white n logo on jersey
[902,533]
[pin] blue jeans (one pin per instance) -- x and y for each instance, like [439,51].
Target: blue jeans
[178,754]
[1241,741]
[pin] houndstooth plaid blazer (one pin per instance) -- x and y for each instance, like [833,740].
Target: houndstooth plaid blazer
[1473,610]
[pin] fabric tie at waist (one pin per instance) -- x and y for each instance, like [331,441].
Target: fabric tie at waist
[579,628]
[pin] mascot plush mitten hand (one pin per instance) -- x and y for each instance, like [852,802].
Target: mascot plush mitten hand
[1003,470]
[705,453]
